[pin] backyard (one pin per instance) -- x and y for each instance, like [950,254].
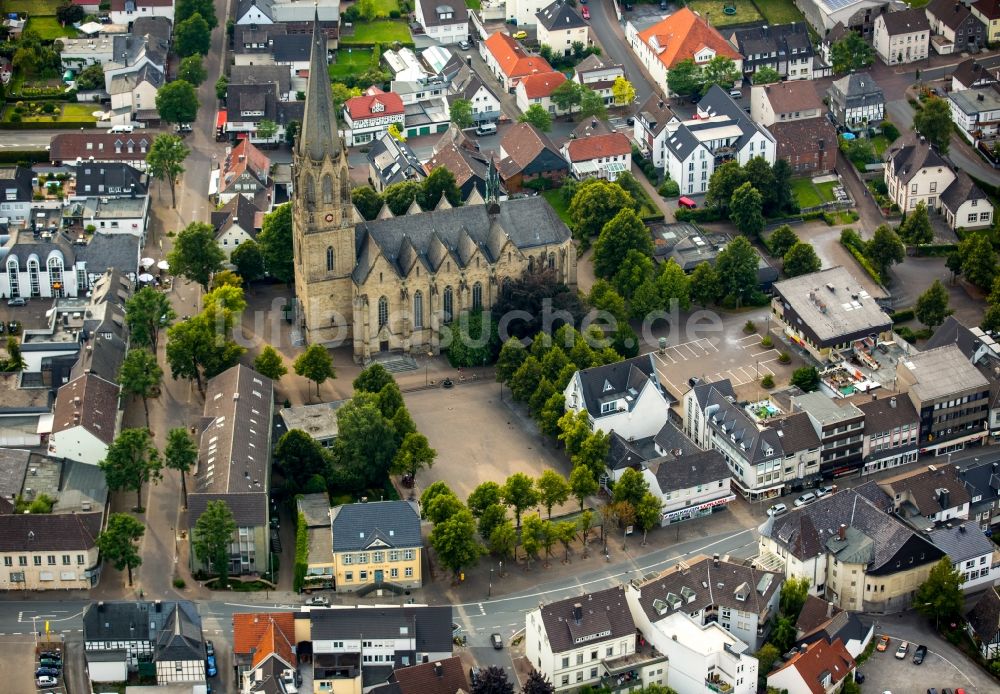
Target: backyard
[780,11]
[49,28]
[384,31]
[384,7]
[65,112]
[713,10]
[473,4]
[811,194]
[555,199]
[350,61]
[31,7]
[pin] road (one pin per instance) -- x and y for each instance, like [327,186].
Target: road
[611,35]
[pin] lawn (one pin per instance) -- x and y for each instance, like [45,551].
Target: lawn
[384,31]
[806,193]
[71,112]
[350,61]
[384,7]
[32,7]
[712,10]
[780,11]
[825,190]
[880,143]
[48,27]
[556,200]
[473,4]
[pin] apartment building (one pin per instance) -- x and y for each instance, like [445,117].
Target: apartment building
[840,427]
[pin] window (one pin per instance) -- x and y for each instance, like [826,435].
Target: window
[363,558]
[579,658]
[348,577]
[984,216]
[449,304]
[362,575]
[418,313]
[79,559]
[407,554]
[408,572]
[378,557]
[51,560]
[972,217]
[394,573]
[37,560]
[393,555]
[8,561]
[477,296]
[565,661]
[383,311]
[348,559]
[329,258]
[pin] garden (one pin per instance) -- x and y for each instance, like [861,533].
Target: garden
[350,61]
[48,28]
[779,11]
[381,31]
[811,194]
[49,112]
[32,7]
[722,13]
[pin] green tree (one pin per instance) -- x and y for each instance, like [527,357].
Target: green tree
[801,259]
[522,383]
[551,412]
[181,454]
[118,542]
[434,490]
[622,233]
[723,183]
[537,683]
[784,633]
[146,313]
[269,363]
[192,36]
[746,210]
[275,241]
[940,596]
[190,347]
[566,96]
[706,286]
[760,174]
[781,240]
[165,161]
[342,93]
[196,255]
[368,202]
[593,452]
[373,379]
[851,53]
[635,269]
[367,9]
[439,182]
[366,443]
[249,261]
[603,297]
[502,540]
[884,249]
[978,259]
[487,494]
[647,513]
[916,228]
[933,121]
[177,102]
[442,507]
[622,91]
[532,534]
[140,376]
[684,78]
[794,592]
[68,13]
[267,130]
[719,70]
[519,493]
[766,657]
[630,487]
[192,71]
[92,76]
[221,87]
[595,203]
[211,538]
[553,490]
[491,517]
[454,541]
[766,75]
[574,428]
[806,378]
[582,484]
[492,680]
[537,116]
[737,268]
[316,365]
[461,113]
[783,195]
[592,104]
[415,454]
[400,196]
[932,306]
[131,461]
[206,8]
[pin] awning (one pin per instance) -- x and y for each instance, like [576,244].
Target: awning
[220,118]
[45,424]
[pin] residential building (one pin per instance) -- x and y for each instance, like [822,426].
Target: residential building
[369,116]
[520,12]
[254,12]
[234,465]
[825,312]
[509,62]
[23,412]
[801,446]
[650,129]
[981,350]
[458,154]
[683,35]
[964,205]
[443,22]
[974,72]
[79,53]
[126,12]
[392,161]
[839,426]
[116,216]
[625,397]
[404,65]
[99,148]
[264,646]
[822,620]
[856,101]
[234,223]
[559,26]
[851,550]
[537,90]
[134,52]
[247,105]
[856,15]
[976,113]
[689,485]
[265,75]
[902,37]
[446,676]
[928,496]
[741,599]
[314,510]
[971,553]
[18,191]
[118,636]
[784,102]
[819,667]
[988,12]
[527,154]
[956,29]
[112,180]
[375,545]
[246,171]
[85,419]
[133,95]
[983,623]
[469,86]
[598,73]
[785,48]
[950,394]
[319,420]
[809,146]
[572,641]
[597,151]
[983,483]
[892,428]
[49,551]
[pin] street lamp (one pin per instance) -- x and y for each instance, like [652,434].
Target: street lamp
[426,365]
[490,593]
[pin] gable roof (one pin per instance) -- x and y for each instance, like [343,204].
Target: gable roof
[797,95]
[375,524]
[447,676]
[655,113]
[521,145]
[593,618]
[598,146]
[796,433]
[542,85]
[815,613]
[434,10]
[888,413]
[430,626]
[961,190]
[560,16]
[922,486]
[951,13]
[984,618]
[818,661]
[962,541]
[67,147]
[463,162]
[976,71]
[240,211]
[513,60]
[244,158]
[40,532]
[858,88]
[779,38]
[683,34]
[687,471]
[88,401]
[906,21]
[626,378]
[181,637]
[361,107]
[109,178]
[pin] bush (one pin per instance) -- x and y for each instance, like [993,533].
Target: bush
[902,316]
[923,334]
[669,189]
[393,14]
[784,358]
[767,341]
[15,117]
[301,553]
[829,218]
[700,214]
[749,327]
[890,131]
[906,334]
[539,184]
[767,381]
[179,583]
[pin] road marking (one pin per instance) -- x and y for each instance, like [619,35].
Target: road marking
[481,608]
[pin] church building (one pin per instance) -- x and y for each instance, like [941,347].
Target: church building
[391,284]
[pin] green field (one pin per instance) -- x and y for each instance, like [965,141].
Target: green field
[806,193]
[48,27]
[384,7]
[31,7]
[350,62]
[556,200]
[712,10]
[880,143]
[71,112]
[473,4]
[780,11]
[380,32]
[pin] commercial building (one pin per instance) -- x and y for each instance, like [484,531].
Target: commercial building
[376,545]
[840,429]
[891,433]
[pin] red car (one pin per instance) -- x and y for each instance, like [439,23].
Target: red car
[585,12]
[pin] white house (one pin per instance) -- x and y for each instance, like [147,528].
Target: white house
[125,12]
[18,191]
[902,37]
[85,419]
[976,112]
[468,85]
[598,74]
[254,12]
[235,223]
[970,553]
[856,101]
[537,89]
[445,21]
[597,151]
[412,633]
[559,26]
[818,668]
[625,397]
[524,11]
[784,102]
[367,117]
[689,486]
[508,61]
[117,215]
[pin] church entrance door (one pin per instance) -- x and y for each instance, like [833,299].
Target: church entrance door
[383,345]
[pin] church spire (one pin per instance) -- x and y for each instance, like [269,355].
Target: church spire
[492,187]
[320,135]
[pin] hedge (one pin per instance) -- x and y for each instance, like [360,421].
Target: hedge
[699,214]
[863,261]
[902,316]
[301,553]
[347,43]
[935,249]
[69,95]
[23,156]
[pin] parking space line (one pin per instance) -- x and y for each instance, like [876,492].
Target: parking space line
[676,355]
[688,348]
[706,345]
[760,354]
[665,356]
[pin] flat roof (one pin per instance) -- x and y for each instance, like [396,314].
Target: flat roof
[319,421]
[824,409]
[941,371]
[832,303]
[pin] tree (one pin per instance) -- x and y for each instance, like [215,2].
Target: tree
[684,78]
[806,378]
[784,197]
[851,53]
[592,104]
[574,428]
[593,452]
[737,268]
[484,496]
[91,78]
[165,160]
[916,228]
[781,240]
[461,113]
[177,102]
[491,517]
[181,454]
[414,455]
[300,457]
[454,540]
[211,537]
[630,487]
[595,203]
[373,379]
[582,484]
[442,507]
[249,261]
[719,70]
[537,116]
[367,201]
[196,349]
[192,36]
[221,87]
[492,680]
[520,494]
[760,174]
[647,513]
[316,365]
[723,183]
[623,233]
[978,259]
[140,376]
[746,210]
[367,9]
[341,94]
[553,490]
[118,542]
[396,132]
[131,461]
[439,182]
[206,8]
[884,249]
[537,683]
[932,306]
[146,313]
[766,75]
[400,196]
[801,259]
[622,91]
[269,363]
[68,13]
[706,287]
[933,121]
[367,442]
[192,71]
[275,241]
[566,96]
[784,633]
[766,657]
[266,130]
[531,535]
[196,255]
[433,491]
[794,593]
[940,596]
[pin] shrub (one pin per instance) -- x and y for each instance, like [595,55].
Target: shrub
[393,14]
[890,131]
[301,553]
[902,316]
[906,334]
[924,334]
[48,107]
[767,341]
[829,218]
[749,327]
[179,583]
[767,381]
[669,189]
[15,117]
[539,184]
[784,358]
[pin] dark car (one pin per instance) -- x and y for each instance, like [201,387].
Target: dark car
[210,667]
[919,655]
[53,655]
[47,671]
[496,640]
[209,648]
[49,662]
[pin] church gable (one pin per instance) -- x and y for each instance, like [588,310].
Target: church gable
[414,208]
[475,197]
[437,252]
[407,257]
[385,213]
[467,248]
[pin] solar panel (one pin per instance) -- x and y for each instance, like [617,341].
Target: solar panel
[834,5]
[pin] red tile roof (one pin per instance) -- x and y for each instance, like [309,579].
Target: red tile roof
[512,58]
[374,105]
[244,156]
[262,634]
[542,85]
[597,146]
[821,658]
[683,34]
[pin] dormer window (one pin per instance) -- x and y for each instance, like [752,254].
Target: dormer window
[609,407]
[608,387]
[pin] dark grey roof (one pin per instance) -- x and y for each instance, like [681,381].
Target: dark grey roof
[976,72]
[670,438]
[885,414]
[594,62]
[49,532]
[289,48]
[136,620]
[466,83]
[454,234]
[729,420]
[375,524]
[846,626]
[796,432]
[962,541]
[623,453]
[779,39]
[19,178]
[240,211]
[560,15]
[984,618]
[249,508]
[716,102]
[434,10]
[13,466]
[953,332]
[265,6]
[604,612]
[983,481]
[110,252]
[109,179]
[906,21]
[155,27]
[180,638]
[686,471]
[655,113]
[961,190]
[951,13]
[907,160]
[859,89]
[703,391]
[253,38]
[431,625]
[320,135]
[923,489]
[626,378]
[394,161]
[264,74]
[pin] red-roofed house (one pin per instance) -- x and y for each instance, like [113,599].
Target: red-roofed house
[537,89]
[368,116]
[595,150]
[245,171]
[819,668]
[125,12]
[509,62]
[263,645]
[681,36]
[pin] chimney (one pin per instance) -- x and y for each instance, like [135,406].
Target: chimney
[159,606]
[944,497]
[577,612]
[842,532]
[438,670]
[829,609]
[980,97]
[961,528]
[593,123]
[660,103]
[892,402]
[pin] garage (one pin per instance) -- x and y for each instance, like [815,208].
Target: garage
[107,667]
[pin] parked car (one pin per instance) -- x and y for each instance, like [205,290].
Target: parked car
[17,301]
[825,489]
[48,672]
[318,601]
[585,13]
[46,681]
[519,35]
[209,648]
[496,640]
[919,655]
[883,643]
[777,510]
[49,662]
[464,45]
[805,500]
[210,667]
[903,648]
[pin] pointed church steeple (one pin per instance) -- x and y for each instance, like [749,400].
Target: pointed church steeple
[493,188]
[320,135]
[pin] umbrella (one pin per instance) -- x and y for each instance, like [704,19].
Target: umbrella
[145,277]
[147,262]
[163,265]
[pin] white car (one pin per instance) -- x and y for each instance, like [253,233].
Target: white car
[46,681]
[806,498]
[777,510]
[824,490]
[318,601]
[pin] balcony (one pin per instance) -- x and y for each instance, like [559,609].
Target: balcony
[622,680]
[717,684]
[625,672]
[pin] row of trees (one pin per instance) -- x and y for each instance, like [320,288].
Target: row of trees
[687,78]
[752,192]
[400,196]
[798,257]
